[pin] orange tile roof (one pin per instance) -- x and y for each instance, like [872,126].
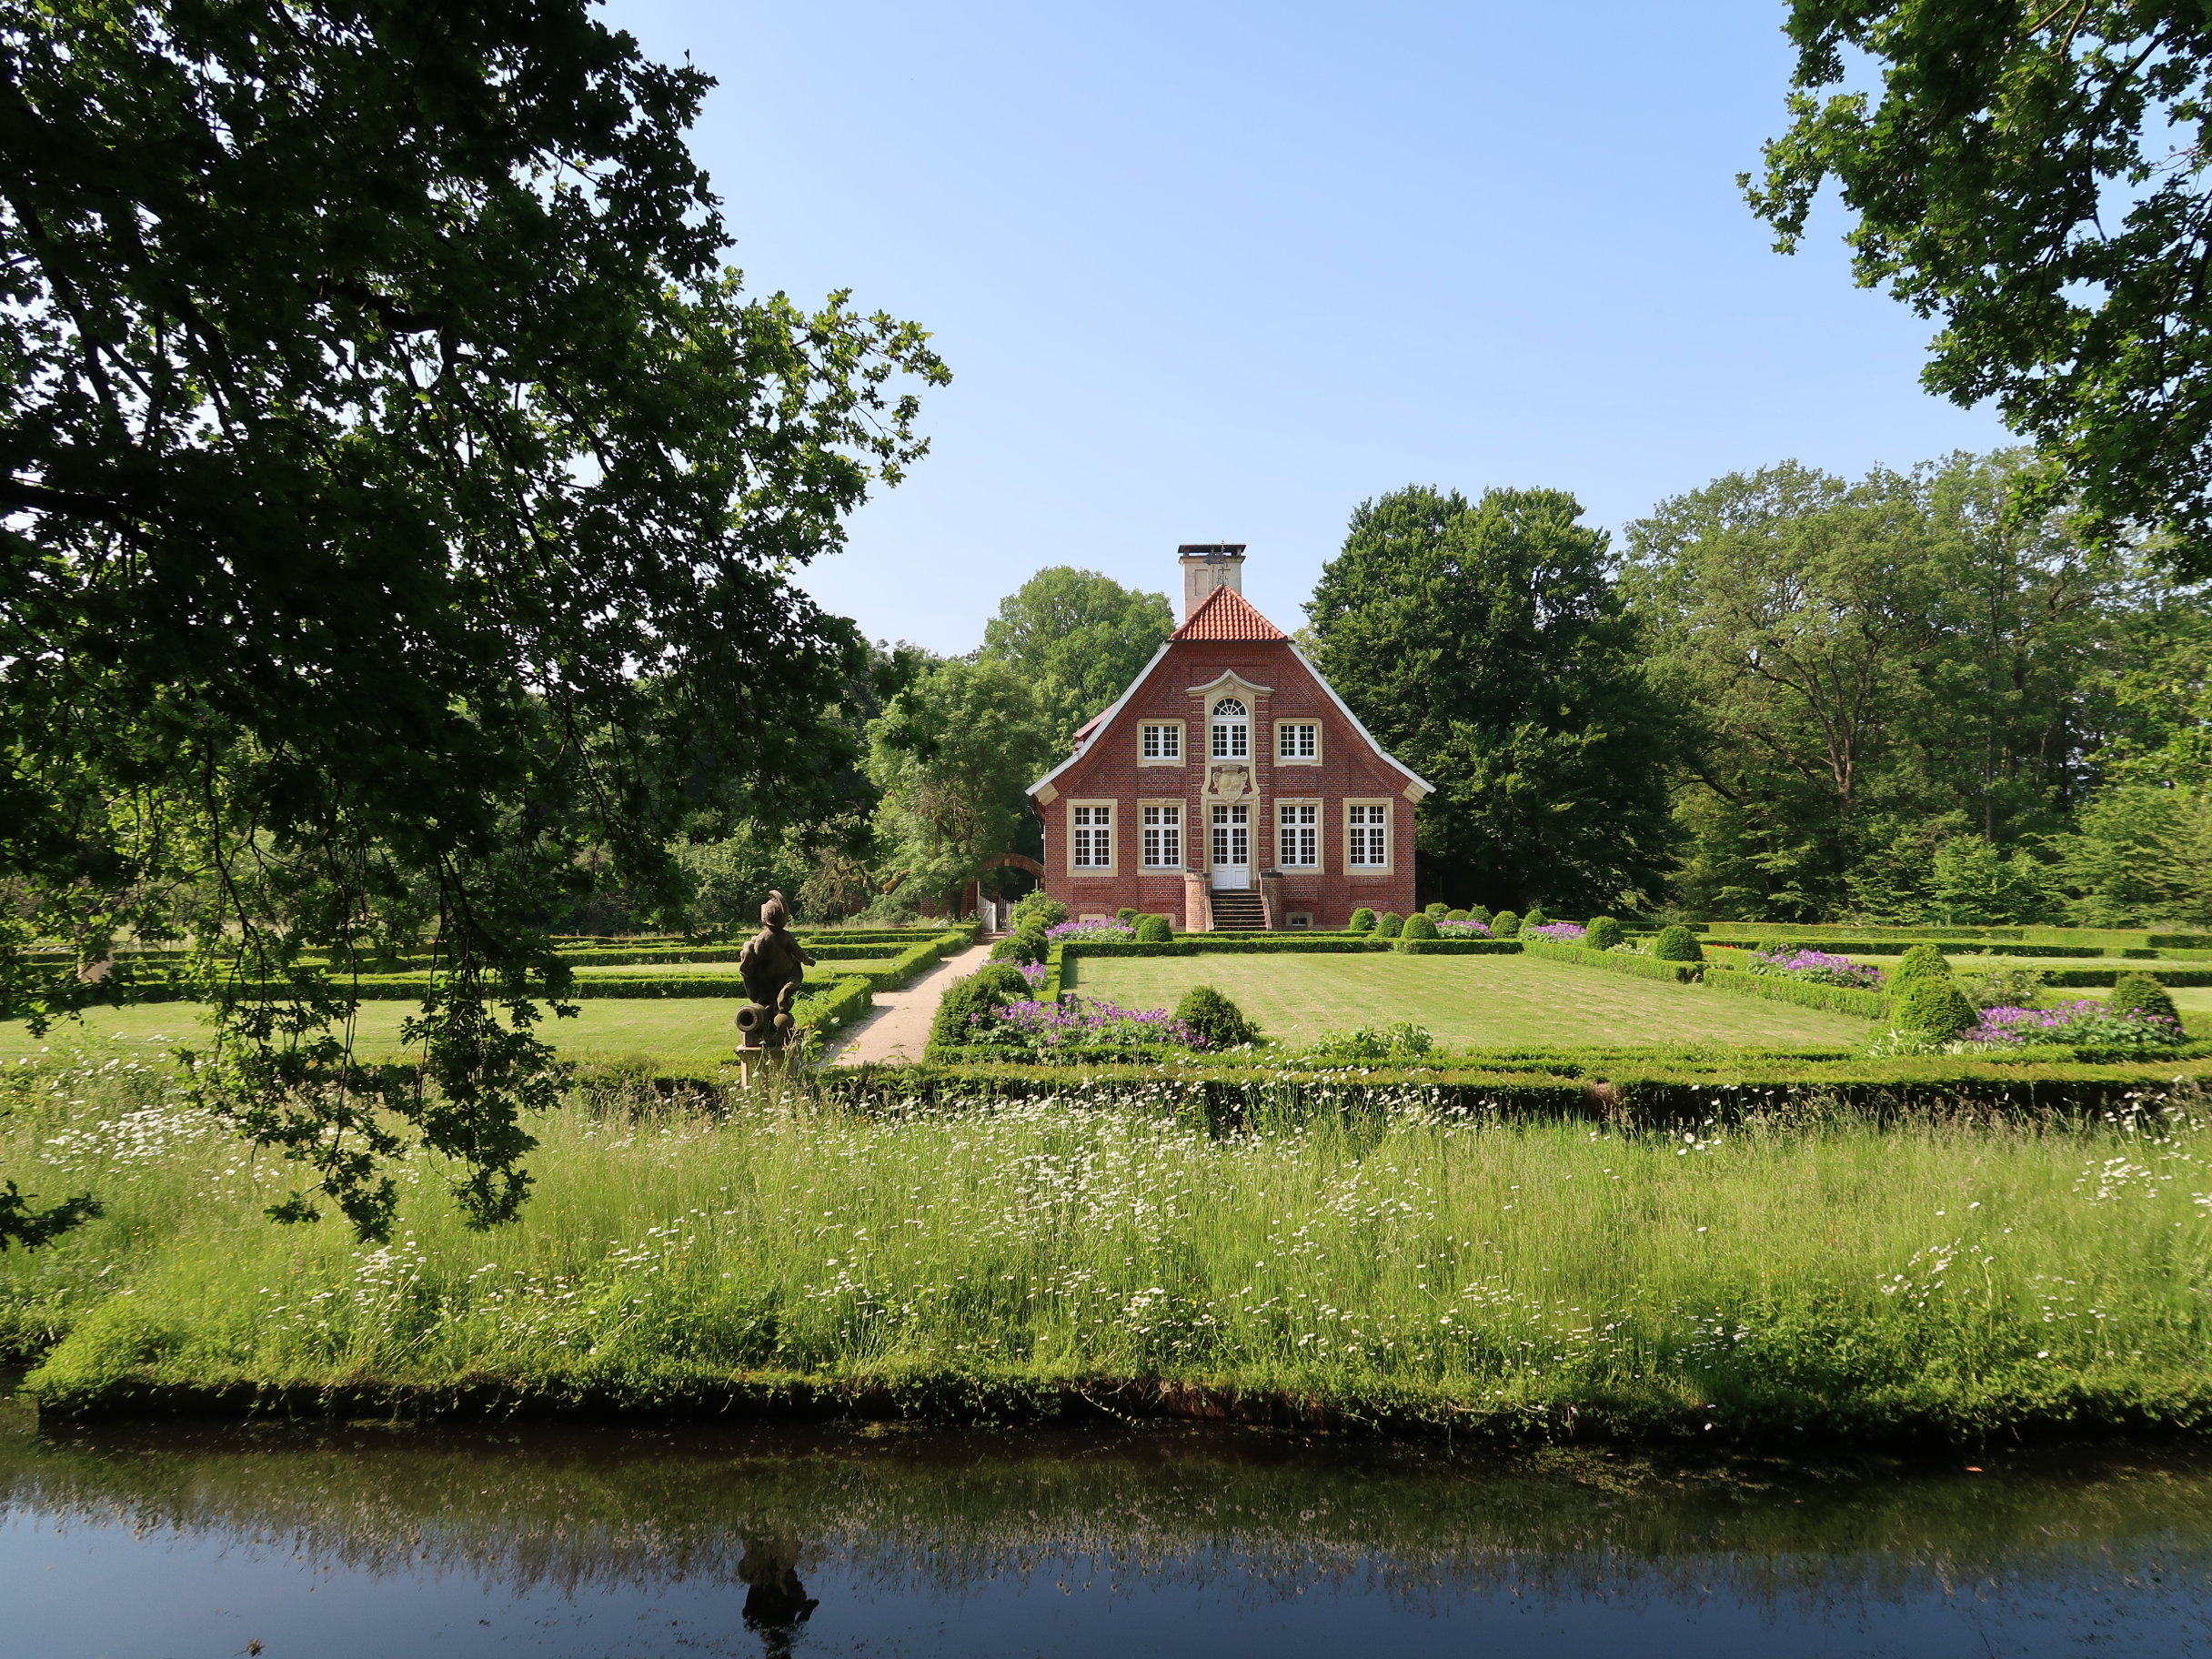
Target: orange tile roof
[1228,615]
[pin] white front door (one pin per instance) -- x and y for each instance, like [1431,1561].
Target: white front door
[1233,845]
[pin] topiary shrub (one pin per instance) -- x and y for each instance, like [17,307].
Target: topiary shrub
[1478,913]
[1603,935]
[2139,993]
[1046,912]
[1455,916]
[1218,1023]
[1436,909]
[1026,944]
[1363,921]
[1933,1008]
[1419,925]
[1920,962]
[1677,944]
[982,993]
[1536,917]
[1388,923]
[1505,925]
[1126,915]
[1154,930]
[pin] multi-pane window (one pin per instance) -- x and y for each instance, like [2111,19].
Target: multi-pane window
[1297,835]
[1163,836]
[1091,838]
[1297,740]
[1162,743]
[1231,731]
[1366,846]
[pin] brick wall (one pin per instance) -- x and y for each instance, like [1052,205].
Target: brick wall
[1111,772]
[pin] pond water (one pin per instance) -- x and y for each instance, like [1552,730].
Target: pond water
[205,1544]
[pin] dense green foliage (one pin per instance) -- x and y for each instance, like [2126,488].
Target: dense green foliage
[1154,930]
[2035,176]
[989,988]
[954,754]
[1217,1022]
[1419,925]
[1506,924]
[1911,703]
[1919,962]
[1677,944]
[1363,921]
[1079,638]
[1603,934]
[1485,645]
[1388,925]
[399,501]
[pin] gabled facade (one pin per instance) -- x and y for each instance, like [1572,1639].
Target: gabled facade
[1230,785]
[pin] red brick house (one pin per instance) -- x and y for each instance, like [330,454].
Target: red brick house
[1229,786]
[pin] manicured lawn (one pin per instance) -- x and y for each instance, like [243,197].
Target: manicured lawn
[1466,1001]
[688,1034]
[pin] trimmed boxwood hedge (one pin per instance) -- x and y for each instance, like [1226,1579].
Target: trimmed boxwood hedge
[1461,947]
[1785,988]
[1609,961]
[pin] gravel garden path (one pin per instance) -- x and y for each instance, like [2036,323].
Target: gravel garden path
[899,1029]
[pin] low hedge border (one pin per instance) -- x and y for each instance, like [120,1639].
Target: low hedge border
[1615,962]
[1657,1097]
[1458,947]
[1949,947]
[1786,987]
[845,1001]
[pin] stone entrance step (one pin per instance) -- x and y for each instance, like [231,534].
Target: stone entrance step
[1238,910]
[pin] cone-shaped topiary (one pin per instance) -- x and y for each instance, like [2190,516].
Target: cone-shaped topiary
[1677,944]
[1604,933]
[1536,917]
[988,989]
[1504,925]
[1932,1007]
[1455,915]
[1387,924]
[1218,1022]
[1154,930]
[1478,913]
[1363,921]
[1436,909]
[1420,925]
[2139,993]
[1126,915]
[1920,962]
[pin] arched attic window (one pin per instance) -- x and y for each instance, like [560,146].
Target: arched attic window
[1231,731]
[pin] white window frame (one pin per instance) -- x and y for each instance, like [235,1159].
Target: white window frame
[1297,742]
[1160,743]
[1309,823]
[1230,736]
[1086,821]
[1370,829]
[1154,828]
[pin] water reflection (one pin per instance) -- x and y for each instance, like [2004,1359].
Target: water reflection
[365,1540]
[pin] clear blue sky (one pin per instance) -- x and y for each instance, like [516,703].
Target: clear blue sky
[1211,272]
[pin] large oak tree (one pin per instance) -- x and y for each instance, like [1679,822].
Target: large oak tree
[400,497]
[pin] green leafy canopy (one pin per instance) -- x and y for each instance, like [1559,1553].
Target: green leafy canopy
[400,498]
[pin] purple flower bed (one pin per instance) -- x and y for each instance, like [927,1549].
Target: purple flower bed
[1561,933]
[1448,929]
[2083,1022]
[1089,1020]
[1819,966]
[1033,974]
[1077,930]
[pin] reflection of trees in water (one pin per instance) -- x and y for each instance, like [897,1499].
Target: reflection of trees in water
[1242,1515]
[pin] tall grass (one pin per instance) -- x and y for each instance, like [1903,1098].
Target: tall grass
[1828,1272]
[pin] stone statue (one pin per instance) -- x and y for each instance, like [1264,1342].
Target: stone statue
[773,967]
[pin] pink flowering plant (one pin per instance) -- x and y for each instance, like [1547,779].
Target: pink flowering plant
[1087,1020]
[1448,929]
[1819,966]
[1093,932]
[1558,932]
[2080,1024]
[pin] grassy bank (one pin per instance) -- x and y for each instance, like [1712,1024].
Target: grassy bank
[1822,1276]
